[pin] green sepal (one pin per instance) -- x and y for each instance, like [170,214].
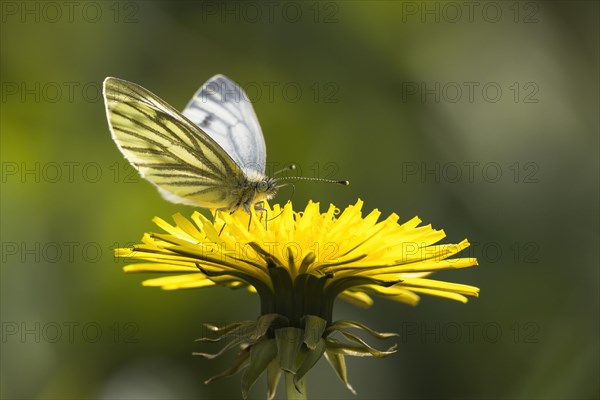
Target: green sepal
[267,321]
[237,340]
[289,340]
[358,351]
[283,287]
[339,325]
[261,354]
[294,391]
[308,293]
[308,260]
[313,330]
[273,375]
[310,359]
[228,331]
[356,339]
[338,363]
[291,260]
[240,363]
[226,328]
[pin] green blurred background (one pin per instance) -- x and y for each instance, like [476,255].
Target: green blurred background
[480,118]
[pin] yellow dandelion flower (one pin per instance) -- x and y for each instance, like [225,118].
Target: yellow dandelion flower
[299,264]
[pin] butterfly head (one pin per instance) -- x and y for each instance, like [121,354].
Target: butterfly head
[265,188]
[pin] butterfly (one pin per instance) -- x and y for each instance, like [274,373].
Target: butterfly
[212,155]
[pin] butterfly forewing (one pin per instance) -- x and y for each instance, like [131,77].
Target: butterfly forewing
[186,164]
[222,109]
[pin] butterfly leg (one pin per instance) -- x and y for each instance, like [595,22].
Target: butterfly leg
[258,207]
[215,219]
[247,208]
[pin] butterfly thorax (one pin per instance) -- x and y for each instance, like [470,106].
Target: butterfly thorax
[256,189]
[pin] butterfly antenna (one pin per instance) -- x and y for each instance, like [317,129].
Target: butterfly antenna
[290,167]
[305,178]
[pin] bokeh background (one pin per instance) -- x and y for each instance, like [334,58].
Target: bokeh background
[481,118]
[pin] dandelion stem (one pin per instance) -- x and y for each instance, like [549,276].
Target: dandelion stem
[291,393]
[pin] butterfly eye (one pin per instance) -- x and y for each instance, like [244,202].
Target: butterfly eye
[262,186]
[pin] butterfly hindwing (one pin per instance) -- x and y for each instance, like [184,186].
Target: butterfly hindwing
[222,109]
[168,150]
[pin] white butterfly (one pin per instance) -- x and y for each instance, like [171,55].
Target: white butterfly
[212,155]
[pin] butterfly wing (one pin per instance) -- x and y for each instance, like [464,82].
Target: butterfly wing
[222,109]
[168,150]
